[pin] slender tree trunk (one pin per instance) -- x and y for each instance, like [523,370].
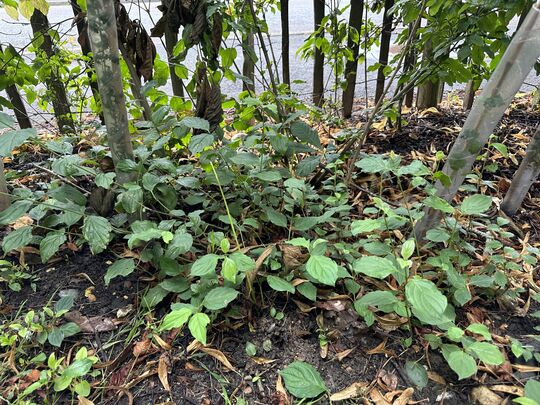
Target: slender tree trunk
[135,85]
[528,172]
[171,39]
[285,52]
[18,106]
[318,64]
[248,66]
[5,200]
[506,80]
[355,21]
[409,62]
[104,39]
[384,51]
[62,111]
[468,98]
[428,92]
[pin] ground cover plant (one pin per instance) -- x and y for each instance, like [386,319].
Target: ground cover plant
[199,247]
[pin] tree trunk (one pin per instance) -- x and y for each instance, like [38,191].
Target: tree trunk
[285,53]
[468,98]
[528,172]
[248,67]
[104,41]
[171,39]
[18,106]
[506,80]
[135,85]
[318,64]
[62,111]
[384,51]
[428,92]
[355,21]
[5,201]
[410,61]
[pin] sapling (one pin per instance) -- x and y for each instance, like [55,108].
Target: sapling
[528,171]
[515,65]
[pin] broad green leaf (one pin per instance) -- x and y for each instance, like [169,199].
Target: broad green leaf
[196,123]
[78,368]
[154,296]
[416,373]
[205,265]
[64,304]
[122,267]
[82,388]
[437,235]
[219,298]
[308,290]
[70,329]
[105,180]
[199,142]
[462,364]
[229,270]
[269,175]
[305,133]
[373,266]
[243,262]
[97,232]
[487,352]
[55,337]
[378,298]
[407,250]
[279,284]
[532,390]
[197,326]
[480,329]
[454,333]
[365,226]
[439,204]
[6,121]
[302,380]
[132,199]
[50,244]
[17,239]
[62,382]
[13,139]
[475,204]
[14,212]
[175,319]
[323,269]
[277,218]
[305,223]
[427,302]
[180,244]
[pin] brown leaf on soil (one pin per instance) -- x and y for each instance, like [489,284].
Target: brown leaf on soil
[218,355]
[142,347]
[405,397]
[192,367]
[262,360]
[526,369]
[84,401]
[304,308]
[119,377]
[355,390]
[508,389]
[332,305]
[283,397]
[293,256]
[88,293]
[341,355]
[484,396]
[381,349]
[377,397]
[389,380]
[25,220]
[163,370]
[433,376]
[91,325]
[164,345]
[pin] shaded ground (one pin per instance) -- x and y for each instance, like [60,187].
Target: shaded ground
[354,352]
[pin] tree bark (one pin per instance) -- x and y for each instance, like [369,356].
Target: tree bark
[5,201]
[62,110]
[171,39]
[428,92]
[468,98]
[248,66]
[384,51]
[487,110]
[410,61]
[104,41]
[528,172]
[285,52]
[318,63]
[351,67]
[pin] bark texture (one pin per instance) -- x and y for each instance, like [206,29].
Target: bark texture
[318,63]
[428,92]
[355,21]
[104,40]
[526,175]
[487,110]
[62,110]
[384,49]
[285,52]
[5,201]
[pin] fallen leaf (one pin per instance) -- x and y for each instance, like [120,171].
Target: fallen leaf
[332,305]
[25,220]
[377,397]
[508,389]
[284,397]
[355,390]
[142,347]
[341,355]
[163,370]
[390,380]
[262,360]
[123,312]
[84,401]
[404,398]
[484,396]
[88,293]
[91,325]
[164,345]
[218,355]
[433,376]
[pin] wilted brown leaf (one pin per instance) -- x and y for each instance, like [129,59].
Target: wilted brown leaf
[91,325]
[405,397]
[163,371]
[218,355]
[355,390]
[484,396]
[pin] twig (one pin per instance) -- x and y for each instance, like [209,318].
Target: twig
[82,190]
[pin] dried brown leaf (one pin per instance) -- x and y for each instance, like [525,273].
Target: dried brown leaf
[355,390]
[218,355]
[484,396]
[163,370]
